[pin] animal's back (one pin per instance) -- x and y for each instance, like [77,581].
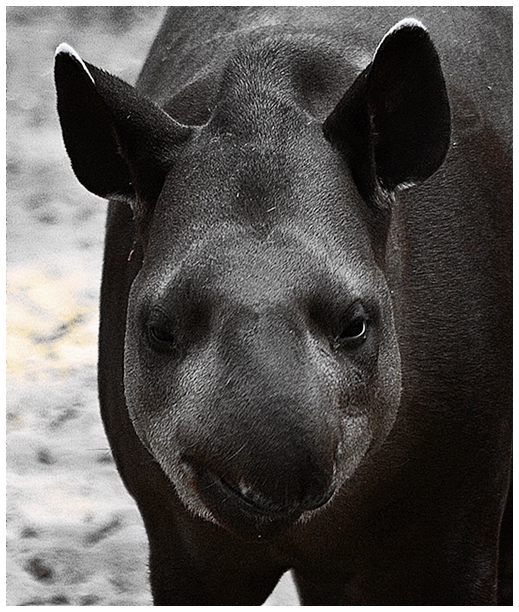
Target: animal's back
[475,46]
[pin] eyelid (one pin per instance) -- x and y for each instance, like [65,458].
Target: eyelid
[158,315]
[355,310]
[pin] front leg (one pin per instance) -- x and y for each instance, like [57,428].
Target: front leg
[427,577]
[193,562]
[316,593]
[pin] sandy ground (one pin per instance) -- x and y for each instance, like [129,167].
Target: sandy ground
[74,536]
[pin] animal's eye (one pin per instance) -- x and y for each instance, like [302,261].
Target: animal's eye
[354,331]
[161,338]
[159,334]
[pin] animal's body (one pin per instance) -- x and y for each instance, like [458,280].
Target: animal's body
[305,342]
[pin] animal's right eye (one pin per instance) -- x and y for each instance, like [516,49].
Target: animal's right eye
[159,333]
[161,338]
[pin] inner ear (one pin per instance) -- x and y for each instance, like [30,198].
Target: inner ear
[393,124]
[120,143]
[409,107]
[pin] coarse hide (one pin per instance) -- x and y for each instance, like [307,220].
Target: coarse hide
[305,341]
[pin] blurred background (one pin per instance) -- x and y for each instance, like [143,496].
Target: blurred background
[74,536]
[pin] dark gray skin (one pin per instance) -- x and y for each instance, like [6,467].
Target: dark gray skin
[305,343]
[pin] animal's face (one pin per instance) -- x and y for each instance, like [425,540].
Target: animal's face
[261,363]
[261,360]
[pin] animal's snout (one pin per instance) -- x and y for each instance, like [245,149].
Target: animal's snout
[263,448]
[263,490]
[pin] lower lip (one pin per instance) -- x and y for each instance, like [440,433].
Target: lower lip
[231,510]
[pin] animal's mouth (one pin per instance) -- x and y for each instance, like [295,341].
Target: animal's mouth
[241,511]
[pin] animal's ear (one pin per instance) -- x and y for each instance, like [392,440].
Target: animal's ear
[120,143]
[393,125]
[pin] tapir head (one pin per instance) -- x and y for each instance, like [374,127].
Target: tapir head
[262,364]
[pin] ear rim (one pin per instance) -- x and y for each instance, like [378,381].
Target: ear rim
[350,127]
[65,49]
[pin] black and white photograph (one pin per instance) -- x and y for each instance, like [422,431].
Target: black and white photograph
[259,305]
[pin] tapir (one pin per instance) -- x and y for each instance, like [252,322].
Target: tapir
[305,337]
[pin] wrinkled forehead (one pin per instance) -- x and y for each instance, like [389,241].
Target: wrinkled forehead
[259,183]
[285,265]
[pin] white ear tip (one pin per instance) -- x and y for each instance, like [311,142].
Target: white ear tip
[408,22]
[66,49]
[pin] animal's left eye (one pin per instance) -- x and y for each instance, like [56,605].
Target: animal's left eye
[354,330]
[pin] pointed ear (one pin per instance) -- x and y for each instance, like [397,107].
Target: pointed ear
[120,143]
[393,125]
